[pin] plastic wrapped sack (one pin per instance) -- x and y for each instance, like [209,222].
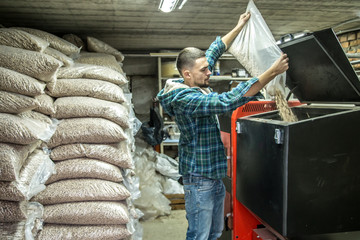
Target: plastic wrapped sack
[85,168]
[75,107]
[12,158]
[16,103]
[84,213]
[255,48]
[15,82]
[87,232]
[33,64]
[116,154]
[95,45]
[86,130]
[55,42]
[25,229]
[93,72]
[14,129]
[67,61]
[99,59]
[78,190]
[86,88]
[20,39]
[33,175]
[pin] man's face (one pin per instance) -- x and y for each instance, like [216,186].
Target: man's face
[199,75]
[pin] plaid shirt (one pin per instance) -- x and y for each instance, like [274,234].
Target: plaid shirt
[201,151]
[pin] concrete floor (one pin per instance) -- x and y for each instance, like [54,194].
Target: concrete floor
[166,227]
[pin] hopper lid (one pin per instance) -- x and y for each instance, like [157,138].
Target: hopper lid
[319,70]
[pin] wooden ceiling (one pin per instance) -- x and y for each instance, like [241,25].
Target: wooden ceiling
[137,25]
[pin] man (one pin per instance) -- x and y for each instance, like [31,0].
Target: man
[201,153]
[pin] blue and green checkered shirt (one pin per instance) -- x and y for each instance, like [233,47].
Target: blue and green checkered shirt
[201,151]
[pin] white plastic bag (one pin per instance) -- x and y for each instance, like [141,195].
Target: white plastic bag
[255,48]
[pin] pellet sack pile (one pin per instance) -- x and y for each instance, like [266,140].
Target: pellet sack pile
[84,121]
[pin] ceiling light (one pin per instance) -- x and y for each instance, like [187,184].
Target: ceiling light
[167,5]
[182,4]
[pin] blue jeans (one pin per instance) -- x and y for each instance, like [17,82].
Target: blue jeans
[204,204]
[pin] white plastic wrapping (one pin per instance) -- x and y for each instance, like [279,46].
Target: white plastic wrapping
[12,81]
[92,72]
[75,107]
[25,229]
[33,64]
[12,158]
[17,130]
[80,190]
[167,166]
[87,213]
[171,186]
[16,103]
[116,154]
[85,168]
[55,42]
[255,48]
[20,39]
[86,88]
[86,130]
[152,201]
[33,175]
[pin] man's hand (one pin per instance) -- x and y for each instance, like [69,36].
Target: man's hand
[230,36]
[280,65]
[243,19]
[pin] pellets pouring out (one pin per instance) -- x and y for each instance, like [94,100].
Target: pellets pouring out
[284,110]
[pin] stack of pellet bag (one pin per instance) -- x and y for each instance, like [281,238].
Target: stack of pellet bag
[86,198]
[24,127]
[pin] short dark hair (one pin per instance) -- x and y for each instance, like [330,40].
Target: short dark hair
[187,58]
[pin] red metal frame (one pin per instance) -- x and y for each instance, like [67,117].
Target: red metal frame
[243,220]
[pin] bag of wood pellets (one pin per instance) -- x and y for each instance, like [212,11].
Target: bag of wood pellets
[17,130]
[15,82]
[74,39]
[12,158]
[25,229]
[87,232]
[56,42]
[46,104]
[116,154]
[36,116]
[93,72]
[86,130]
[81,190]
[85,168]
[20,39]
[33,175]
[95,45]
[99,59]
[67,61]
[87,213]
[75,107]
[255,48]
[33,64]
[16,103]
[86,88]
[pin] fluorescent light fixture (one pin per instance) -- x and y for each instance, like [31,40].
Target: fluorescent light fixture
[167,5]
[182,4]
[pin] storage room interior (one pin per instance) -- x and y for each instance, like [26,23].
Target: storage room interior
[78,87]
